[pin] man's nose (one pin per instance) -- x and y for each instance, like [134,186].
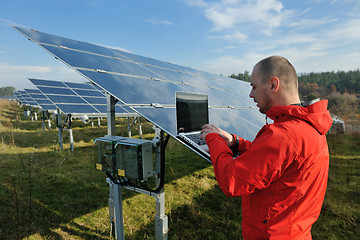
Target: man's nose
[251,95]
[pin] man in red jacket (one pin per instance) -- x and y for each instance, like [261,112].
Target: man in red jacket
[281,175]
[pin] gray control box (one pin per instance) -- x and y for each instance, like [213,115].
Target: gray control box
[126,157]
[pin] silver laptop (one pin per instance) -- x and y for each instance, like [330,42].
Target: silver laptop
[191,113]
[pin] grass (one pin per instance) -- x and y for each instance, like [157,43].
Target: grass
[49,194]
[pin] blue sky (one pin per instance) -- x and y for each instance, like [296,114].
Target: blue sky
[218,36]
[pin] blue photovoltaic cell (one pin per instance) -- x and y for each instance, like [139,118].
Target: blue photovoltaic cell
[47,83]
[79,85]
[59,91]
[77,108]
[90,93]
[66,99]
[96,100]
[134,79]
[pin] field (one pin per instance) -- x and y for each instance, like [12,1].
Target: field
[46,193]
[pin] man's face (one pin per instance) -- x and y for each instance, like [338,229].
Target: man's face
[260,91]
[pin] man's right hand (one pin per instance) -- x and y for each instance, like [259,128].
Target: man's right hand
[211,128]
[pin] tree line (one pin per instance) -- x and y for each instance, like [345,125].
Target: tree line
[7,91]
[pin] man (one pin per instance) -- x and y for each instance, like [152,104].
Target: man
[282,174]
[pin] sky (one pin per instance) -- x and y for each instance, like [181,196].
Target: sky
[218,36]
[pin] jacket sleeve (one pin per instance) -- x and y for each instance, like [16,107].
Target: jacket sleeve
[242,144]
[264,161]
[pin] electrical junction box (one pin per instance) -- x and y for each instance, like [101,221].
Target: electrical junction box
[126,157]
[45,114]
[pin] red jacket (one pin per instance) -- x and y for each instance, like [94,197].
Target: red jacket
[281,175]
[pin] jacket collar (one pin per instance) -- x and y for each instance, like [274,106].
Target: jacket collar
[316,114]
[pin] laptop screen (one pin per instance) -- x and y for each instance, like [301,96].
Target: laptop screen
[191,111]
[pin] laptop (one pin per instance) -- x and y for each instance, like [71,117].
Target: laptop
[191,113]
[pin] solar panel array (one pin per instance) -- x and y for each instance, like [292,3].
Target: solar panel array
[149,85]
[25,99]
[75,98]
[41,100]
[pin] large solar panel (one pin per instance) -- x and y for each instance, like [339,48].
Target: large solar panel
[76,98]
[149,85]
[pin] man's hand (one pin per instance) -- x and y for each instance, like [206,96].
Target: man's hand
[211,128]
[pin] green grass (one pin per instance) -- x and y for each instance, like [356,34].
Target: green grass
[49,194]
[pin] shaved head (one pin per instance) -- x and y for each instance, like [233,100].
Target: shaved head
[280,67]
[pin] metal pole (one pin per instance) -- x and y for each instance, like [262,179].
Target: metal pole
[115,206]
[60,138]
[140,129]
[129,127]
[71,138]
[110,115]
[161,220]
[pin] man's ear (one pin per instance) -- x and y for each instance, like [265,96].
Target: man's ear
[275,84]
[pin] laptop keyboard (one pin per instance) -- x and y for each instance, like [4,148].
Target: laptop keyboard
[195,137]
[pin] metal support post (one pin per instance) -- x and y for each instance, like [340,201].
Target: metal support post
[161,220]
[129,127]
[35,115]
[140,129]
[99,123]
[110,115]
[49,124]
[60,130]
[115,205]
[43,124]
[71,139]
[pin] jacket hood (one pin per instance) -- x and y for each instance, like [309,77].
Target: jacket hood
[317,114]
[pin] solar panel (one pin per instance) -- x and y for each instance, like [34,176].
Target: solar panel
[18,96]
[76,98]
[27,100]
[41,99]
[149,85]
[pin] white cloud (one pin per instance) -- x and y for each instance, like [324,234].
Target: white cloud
[227,65]
[223,49]
[158,22]
[229,14]
[236,37]
[306,23]
[346,31]
[17,75]
[24,68]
